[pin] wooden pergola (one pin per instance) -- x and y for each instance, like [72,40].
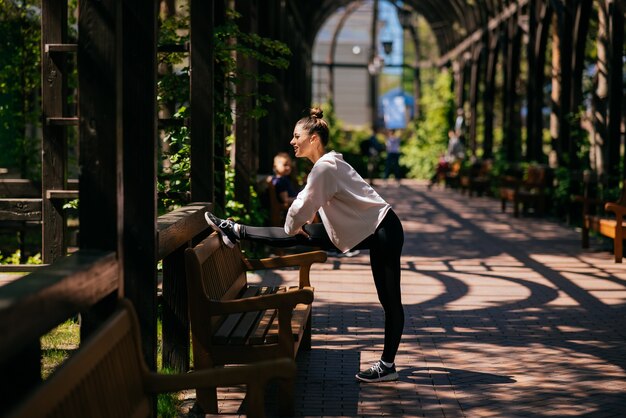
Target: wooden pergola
[121,237]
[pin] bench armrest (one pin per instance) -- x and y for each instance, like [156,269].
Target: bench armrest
[617,209]
[303,260]
[287,299]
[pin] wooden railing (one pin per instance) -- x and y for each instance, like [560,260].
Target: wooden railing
[176,231]
[34,304]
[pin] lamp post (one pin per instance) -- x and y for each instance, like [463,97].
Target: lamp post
[405,16]
[374,67]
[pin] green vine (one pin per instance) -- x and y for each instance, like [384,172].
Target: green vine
[173,91]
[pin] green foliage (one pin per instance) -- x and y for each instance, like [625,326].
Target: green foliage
[173,90]
[19,84]
[427,139]
[231,42]
[255,214]
[15,258]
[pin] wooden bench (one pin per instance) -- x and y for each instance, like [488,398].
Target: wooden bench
[477,179]
[528,191]
[607,219]
[233,322]
[108,377]
[453,175]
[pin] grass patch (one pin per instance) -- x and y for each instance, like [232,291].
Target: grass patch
[59,344]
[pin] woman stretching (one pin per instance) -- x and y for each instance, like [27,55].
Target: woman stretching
[353,217]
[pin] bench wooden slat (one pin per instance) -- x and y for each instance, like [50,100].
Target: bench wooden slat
[223,333]
[250,320]
[258,337]
[298,322]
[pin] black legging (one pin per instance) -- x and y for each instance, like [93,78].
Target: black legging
[385,246]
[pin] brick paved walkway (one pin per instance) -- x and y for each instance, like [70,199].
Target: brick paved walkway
[505,317]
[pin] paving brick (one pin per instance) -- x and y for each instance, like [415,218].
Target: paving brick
[505,317]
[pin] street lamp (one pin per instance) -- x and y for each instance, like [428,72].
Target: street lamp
[387,46]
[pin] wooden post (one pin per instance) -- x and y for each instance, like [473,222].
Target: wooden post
[564,78]
[202,109]
[175,318]
[555,94]
[539,20]
[246,138]
[458,68]
[54,144]
[511,117]
[476,72]
[219,145]
[616,99]
[598,155]
[139,247]
[100,138]
[490,90]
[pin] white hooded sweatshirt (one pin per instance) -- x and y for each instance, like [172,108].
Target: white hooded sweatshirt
[350,208]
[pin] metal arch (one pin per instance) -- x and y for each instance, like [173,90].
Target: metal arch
[333,45]
[434,11]
[442,16]
[440,20]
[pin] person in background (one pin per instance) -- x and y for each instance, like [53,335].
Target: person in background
[371,148]
[454,153]
[459,124]
[392,163]
[456,149]
[354,216]
[285,190]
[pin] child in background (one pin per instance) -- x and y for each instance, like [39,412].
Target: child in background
[285,192]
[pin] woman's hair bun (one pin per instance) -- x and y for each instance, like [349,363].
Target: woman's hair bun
[316,112]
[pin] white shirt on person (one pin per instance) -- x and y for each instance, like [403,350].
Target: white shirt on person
[349,207]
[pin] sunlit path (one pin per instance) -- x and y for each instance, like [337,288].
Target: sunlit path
[505,317]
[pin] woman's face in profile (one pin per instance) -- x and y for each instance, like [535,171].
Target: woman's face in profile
[301,142]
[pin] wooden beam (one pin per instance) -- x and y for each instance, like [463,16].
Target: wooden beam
[181,226]
[20,209]
[477,35]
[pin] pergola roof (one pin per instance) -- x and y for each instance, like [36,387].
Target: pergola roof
[450,20]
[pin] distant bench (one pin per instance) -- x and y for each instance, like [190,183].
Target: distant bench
[233,322]
[607,219]
[528,190]
[108,377]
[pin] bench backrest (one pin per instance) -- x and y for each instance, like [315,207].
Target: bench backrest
[215,272]
[536,176]
[104,378]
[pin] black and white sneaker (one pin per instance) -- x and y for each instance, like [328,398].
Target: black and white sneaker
[225,227]
[378,373]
